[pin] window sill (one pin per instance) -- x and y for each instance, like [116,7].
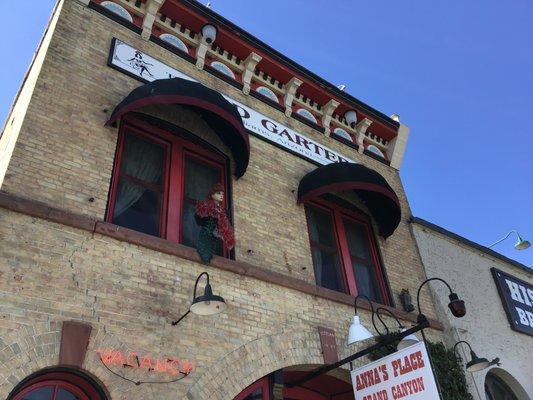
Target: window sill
[41,210]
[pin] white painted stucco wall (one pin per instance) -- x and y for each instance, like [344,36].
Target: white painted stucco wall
[485,326]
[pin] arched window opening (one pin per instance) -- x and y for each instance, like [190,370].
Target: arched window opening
[174,41]
[118,10]
[343,134]
[223,68]
[497,389]
[58,385]
[374,149]
[267,93]
[307,115]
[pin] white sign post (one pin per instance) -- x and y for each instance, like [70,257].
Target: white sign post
[141,66]
[405,374]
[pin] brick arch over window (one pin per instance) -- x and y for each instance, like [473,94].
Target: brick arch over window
[227,377]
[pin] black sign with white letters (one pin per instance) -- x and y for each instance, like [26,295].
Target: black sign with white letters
[517,299]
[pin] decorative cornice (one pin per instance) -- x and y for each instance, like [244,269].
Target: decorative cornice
[290,91]
[327,113]
[249,67]
[360,131]
[40,210]
[152,7]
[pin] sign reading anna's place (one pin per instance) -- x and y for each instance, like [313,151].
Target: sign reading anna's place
[140,65]
[517,299]
[405,374]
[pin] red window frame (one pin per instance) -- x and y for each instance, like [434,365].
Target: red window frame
[178,149]
[338,213]
[263,384]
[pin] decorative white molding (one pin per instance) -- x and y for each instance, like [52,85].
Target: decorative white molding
[201,51]
[152,8]
[360,130]
[327,113]
[290,91]
[249,67]
[396,149]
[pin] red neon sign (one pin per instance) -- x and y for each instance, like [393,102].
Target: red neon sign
[172,366]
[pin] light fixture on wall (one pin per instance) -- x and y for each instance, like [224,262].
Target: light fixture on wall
[351,118]
[209,33]
[207,304]
[520,244]
[456,305]
[476,363]
[358,331]
[407,301]
[406,341]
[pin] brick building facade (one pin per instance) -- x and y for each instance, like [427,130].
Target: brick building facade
[68,268]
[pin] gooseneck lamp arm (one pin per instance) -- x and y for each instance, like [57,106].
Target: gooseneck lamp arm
[372,310]
[503,238]
[174,323]
[391,314]
[458,343]
[422,285]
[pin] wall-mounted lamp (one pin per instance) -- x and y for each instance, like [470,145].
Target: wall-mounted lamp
[456,305]
[351,118]
[476,363]
[406,341]
[520,244]
[358,331]
[209,33]
[208,304]
[407,301]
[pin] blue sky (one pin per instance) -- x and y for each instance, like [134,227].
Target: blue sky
[460,75]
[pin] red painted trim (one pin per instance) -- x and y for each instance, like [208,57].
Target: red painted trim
[262,384]
[191,101]
[349,185]
[176,151]
[338,214]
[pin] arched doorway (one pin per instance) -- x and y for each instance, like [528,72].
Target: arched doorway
[324,387]
[497,389]
[60,384]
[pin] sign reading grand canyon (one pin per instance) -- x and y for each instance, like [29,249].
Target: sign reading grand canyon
[405,374]
[517,299]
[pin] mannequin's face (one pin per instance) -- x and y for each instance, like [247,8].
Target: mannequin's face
[218,197]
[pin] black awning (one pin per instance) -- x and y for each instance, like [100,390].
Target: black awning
[370,186]
[219,113]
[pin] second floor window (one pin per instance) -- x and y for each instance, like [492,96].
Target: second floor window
[158,179]
[344,252]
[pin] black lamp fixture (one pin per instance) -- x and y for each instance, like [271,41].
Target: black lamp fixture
[407,340]
[207,304]
[456,305]
[406,300]
[476,363]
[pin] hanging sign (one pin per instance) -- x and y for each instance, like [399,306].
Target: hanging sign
[517,299]
[141,66]
[405,374]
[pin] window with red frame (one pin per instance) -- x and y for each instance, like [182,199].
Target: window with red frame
[158,178]
[344,252]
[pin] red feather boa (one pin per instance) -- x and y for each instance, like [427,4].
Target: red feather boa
[213,209]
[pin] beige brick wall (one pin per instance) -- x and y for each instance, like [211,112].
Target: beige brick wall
[64,156]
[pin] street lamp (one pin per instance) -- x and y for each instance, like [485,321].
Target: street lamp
[456,305]
[208,304]
[520,244]
[476,363]
[406,341]
[357,330]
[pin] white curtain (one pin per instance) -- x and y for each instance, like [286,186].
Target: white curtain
[141,160]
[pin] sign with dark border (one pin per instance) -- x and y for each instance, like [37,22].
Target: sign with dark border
[517,299]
